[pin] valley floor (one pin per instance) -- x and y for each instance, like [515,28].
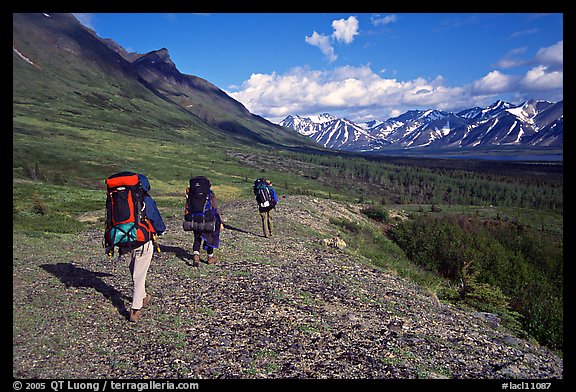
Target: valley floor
[271,308]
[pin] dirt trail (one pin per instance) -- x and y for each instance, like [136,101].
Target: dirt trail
[280,307]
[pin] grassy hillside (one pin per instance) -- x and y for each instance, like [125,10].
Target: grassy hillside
[65,80]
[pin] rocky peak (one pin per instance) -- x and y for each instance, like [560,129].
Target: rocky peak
[159,59]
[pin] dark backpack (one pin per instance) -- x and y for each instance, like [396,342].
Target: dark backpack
[126,222]
[198,213]
[264,196]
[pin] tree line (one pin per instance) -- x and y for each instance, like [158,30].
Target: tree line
[455,182]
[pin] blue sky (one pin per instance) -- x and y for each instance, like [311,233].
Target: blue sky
[361,66]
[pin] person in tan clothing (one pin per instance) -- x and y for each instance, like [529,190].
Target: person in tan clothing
[141,256]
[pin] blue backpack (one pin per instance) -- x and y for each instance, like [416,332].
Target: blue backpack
[265,194]
[198,213]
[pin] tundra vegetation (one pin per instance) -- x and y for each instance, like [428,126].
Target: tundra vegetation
[481,234]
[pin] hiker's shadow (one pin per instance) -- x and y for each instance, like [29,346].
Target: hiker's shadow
[230,227]
[182,254]
[73,276]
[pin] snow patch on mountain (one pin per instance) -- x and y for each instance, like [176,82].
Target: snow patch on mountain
[500,123]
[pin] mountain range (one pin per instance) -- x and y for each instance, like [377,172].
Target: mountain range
[532,124]
[63,72]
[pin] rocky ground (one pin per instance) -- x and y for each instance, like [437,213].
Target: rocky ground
[271,308]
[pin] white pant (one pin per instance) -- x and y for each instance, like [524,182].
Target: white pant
[139,263]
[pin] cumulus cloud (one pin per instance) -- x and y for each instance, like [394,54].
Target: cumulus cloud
[304,91]
[493,83]
[361,94]
[323,42]
[345,29]
[541,78]
[545,75]
[551,55]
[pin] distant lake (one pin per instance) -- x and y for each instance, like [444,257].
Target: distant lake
[509,157]
[488,155]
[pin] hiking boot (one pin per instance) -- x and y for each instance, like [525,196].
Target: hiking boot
[212,260]
[196,260]
[135,315]
[146,300]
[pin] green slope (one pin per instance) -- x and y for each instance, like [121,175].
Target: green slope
[80,109]
[211,104]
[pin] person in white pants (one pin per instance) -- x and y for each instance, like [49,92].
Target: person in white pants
[139,264]
[141,256]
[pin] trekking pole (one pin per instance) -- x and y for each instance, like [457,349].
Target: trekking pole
[155,240]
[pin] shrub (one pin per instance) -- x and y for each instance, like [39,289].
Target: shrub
[39,207]
[501,267]
[352,227]
[376,213]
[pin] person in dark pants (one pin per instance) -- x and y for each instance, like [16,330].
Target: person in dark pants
[267,199]
[207,208]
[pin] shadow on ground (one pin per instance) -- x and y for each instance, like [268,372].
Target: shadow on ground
[230,227]
[182,254]
[73,276]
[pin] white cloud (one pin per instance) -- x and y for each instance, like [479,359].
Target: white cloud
[511,60]
[360,94]
[493,83]
[522,33]
[540,78]
[322,42]
[304,91]
[546,77]
[345,29]
[551,55]
[383,20]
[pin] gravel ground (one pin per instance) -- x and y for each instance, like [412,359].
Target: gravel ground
[271,308]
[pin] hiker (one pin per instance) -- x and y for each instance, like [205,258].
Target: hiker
[141,257]
[267,199]
[132,223]
[202,217]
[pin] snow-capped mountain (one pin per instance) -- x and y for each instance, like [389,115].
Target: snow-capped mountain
[478,113]
[532,124]
[329,131]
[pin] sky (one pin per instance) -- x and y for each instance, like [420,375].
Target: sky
[360,66]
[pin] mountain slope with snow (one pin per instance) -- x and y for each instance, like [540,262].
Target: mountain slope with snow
[534,123]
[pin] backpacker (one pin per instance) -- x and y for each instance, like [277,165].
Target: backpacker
[264,195]
[198,213]
[126,222]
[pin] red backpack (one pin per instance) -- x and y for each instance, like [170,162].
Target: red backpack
[126,222]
